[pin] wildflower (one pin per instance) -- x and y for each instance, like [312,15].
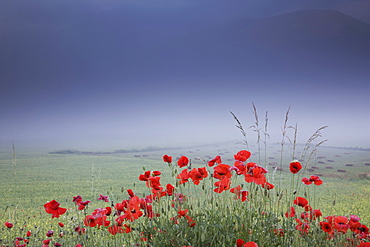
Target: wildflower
[53,208]
[154,183]
[82,205]
[326,227]
[78,245]
[239,193]
[242,243]
[167,158]
[302,227]
[8,224]
[268,186]
[316,213]
[221,171]
[300,201]
[183,161]
[364,244]
[131,211]
[57,244]
[340,224]
[103,198]
[256,175]
[77,199]
[145,176]
[46,241]
[60,224]
[198,174]
[295,167]
[184,176]
[97,218]
[80,230]
[291,212]
[170,189]
[242,155]
[223,184]
[239,167]
[28,234]
[50,233]
[118,229]
[217,160]
[315,179]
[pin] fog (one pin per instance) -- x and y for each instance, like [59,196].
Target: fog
[119,74]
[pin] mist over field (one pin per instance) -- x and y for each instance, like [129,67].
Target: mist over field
[112,74]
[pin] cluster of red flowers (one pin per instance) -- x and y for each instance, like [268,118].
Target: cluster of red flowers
[304,219]
[341,224]
[184,214]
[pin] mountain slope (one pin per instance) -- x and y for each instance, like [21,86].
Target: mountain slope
[325,41]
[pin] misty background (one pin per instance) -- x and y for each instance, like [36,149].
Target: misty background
[136,73]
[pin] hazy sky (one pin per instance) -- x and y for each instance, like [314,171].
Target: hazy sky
[102,71]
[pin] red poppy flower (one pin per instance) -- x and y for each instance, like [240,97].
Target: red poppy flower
[250,244]
[340,224]
[170,189]
[313,179]
[326,227]
[221,171]
[239,193]
[167,158]
[302,226]
[316,213]
[242,243]
[223,184]
[217,160]
[242,155]
[60,224]
[198,174]
[291,212]
[364,244]
[53,208]
[145,176]
[300,201]
[154,183]
[183,161]
[46,241]
[239,167]
[8,224]
[268,186]
[103,198]
[118,229]
[184,176]
[50,233]
[295,167]
[77,199]
[80,230]
[256,175]
[28,234]
[82,205]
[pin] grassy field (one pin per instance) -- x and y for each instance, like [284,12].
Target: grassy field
[30,179]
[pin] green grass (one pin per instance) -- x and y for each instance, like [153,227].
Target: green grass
[35,178]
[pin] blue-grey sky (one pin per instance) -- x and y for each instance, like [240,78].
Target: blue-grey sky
[168,72]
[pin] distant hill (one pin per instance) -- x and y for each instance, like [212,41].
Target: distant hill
[317,41]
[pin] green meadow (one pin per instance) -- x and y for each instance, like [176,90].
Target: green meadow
[32,178]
